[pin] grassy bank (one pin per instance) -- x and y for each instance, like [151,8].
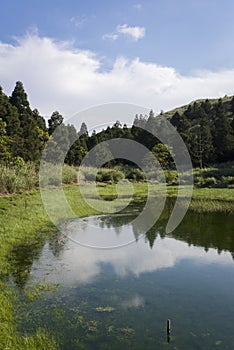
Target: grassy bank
[20,176]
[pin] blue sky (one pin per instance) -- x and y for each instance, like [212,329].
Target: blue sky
[189,40]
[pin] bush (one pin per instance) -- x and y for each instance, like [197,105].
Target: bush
[103,174]
[110,175]
[19,177]
[135,174]
[88,173]
[69,174]
[171,177]
[210,182]
[118,176]
[199,181]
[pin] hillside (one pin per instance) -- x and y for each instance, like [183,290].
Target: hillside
[226,100]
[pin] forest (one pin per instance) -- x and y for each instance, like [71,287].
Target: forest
[206,126]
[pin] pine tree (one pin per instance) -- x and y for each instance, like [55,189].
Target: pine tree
[9,115]
[55,120]
[40,121]
[57,146]
[92,140]
[223,138]
[72,137]
[175,119]
[202,149]
[4,142]
[84,129]
[183,128]
[232,105]
[32,145]
[207,148]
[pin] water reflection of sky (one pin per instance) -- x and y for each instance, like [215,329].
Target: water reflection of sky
[78,264]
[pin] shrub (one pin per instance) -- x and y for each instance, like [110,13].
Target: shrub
[210,182]
[118,176]
[199,180]
[171,177]
[16,178]
[69,174]
[110,175]
[135,174]
[88,173]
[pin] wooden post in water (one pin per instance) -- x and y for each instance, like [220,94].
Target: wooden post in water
[168,327]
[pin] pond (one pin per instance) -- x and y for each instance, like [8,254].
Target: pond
[120,295]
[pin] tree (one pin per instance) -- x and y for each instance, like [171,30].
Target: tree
[72,137]
[40,121]
[55,120]
[202,149]
[4,142]
[19,99]
[32,145]
[164,155]
[207,149]
[175,120]
[223,138]
[232,105]
[84,129]
[9,115]
[232,125]
[140,121]
[92,140]
[57,146]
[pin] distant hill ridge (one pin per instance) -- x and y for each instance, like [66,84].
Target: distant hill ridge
[226,102]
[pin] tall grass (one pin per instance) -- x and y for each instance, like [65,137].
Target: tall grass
[16,178]
[221,176]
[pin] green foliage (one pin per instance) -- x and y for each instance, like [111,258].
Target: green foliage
[55,120]
[164,155]
[223,137]
[4,141]
[135,174]
[109,175]
[33,138]
[87,173]
[9,115]
[207,129]
[69,174]
[91,174]
[220,176]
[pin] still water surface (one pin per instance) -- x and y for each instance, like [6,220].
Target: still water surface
[121,298]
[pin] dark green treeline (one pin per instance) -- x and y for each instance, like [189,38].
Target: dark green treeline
[207,128]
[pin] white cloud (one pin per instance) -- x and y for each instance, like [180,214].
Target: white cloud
[111,36]
[58,76]
[135,33]
[78,264]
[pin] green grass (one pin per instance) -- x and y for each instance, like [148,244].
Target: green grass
[9,338]
[23,223]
